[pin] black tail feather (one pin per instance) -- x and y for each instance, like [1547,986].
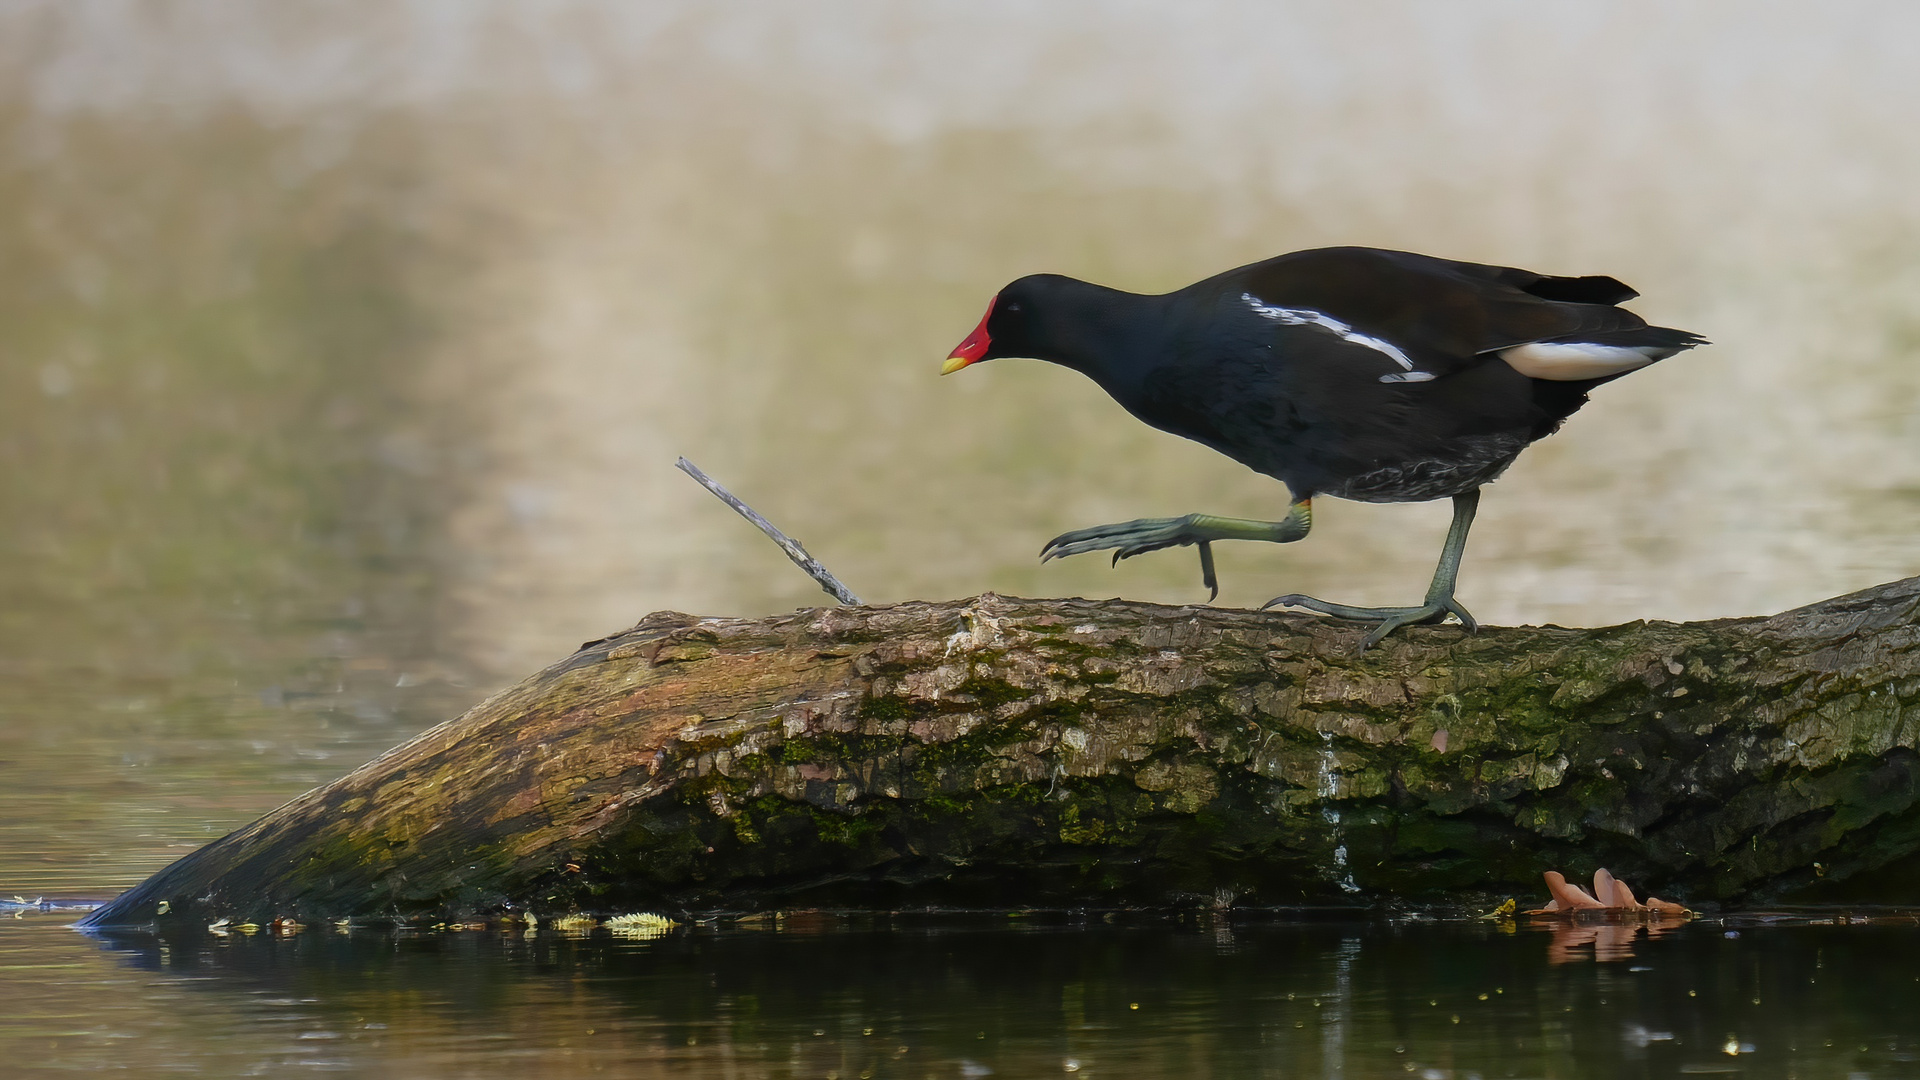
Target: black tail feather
[1593,289]
[1658,337]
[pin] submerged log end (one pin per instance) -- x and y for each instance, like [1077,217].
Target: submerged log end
[999,752]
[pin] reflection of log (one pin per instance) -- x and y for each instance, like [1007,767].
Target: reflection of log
[1011,752]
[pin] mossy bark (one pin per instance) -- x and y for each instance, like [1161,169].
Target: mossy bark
[1002,752]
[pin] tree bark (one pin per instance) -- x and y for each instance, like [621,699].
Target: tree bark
[1001,752]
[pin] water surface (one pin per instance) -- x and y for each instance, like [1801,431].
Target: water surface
[345,351]
[811,995]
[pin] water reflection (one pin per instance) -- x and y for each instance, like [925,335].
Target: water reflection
[1600,939]
[914,996]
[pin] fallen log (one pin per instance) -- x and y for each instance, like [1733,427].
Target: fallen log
[1001,752]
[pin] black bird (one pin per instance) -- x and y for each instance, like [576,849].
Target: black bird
[1356,373]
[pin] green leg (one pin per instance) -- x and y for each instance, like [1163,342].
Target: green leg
[1440,602]
[1130,538]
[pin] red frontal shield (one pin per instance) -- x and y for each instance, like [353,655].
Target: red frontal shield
[975,347]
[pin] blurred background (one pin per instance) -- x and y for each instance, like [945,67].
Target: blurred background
[346,347]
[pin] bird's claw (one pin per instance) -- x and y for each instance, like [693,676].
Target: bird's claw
[1390,619]
[1207,577]
[1130,538]
[1127,539]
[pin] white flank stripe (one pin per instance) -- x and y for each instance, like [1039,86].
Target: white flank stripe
[1567,361]
[1308,317]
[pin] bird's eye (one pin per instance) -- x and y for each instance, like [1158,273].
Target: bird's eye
[1013,307]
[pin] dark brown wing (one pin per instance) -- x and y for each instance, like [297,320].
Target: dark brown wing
[1445,314]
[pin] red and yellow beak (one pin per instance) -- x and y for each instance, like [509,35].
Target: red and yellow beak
[972,349]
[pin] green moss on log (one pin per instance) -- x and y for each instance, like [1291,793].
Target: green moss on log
[1001,752]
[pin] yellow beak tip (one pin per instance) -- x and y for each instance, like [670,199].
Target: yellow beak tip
[953,364]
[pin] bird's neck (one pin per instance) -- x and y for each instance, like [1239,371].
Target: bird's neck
[1112,337]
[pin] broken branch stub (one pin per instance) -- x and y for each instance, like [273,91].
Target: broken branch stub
[819,573]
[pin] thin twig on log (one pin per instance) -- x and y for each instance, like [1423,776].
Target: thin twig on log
[788,544]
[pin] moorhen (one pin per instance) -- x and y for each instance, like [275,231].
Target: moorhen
[1357,373]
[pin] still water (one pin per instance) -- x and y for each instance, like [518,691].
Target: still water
[1115,996]
[345,351]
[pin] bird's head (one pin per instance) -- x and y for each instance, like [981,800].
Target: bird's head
[1012,326]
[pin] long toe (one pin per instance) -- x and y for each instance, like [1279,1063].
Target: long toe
[1340,611]
[1127,538]
[1074,543]
[1387,619]
[1420,616]
[1209,579]
[1387,626]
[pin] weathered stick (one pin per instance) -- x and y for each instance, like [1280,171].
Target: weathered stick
[788,544]
[999,752]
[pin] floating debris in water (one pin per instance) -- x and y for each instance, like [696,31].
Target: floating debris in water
[1610,895]
[19,906]
[640,925]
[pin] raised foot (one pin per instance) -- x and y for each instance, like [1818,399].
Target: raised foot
[1390,618]
[1137,537]
[1127,538]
